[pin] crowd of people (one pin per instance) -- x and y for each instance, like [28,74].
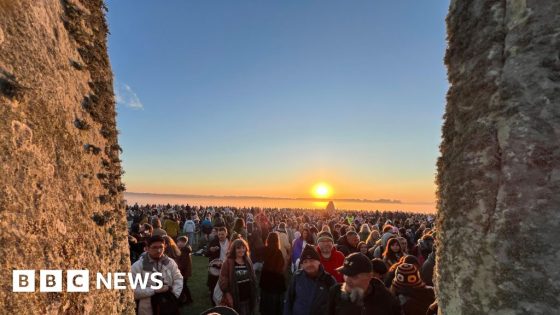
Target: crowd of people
[286,261]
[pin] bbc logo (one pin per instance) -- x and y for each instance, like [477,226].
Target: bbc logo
[50,280]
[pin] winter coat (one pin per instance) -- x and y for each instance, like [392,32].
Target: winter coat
[171,277]
[336,260]
[378,301]
[255,242]
[345,247]
[384,238]
[272,276]
[214,254]
[427,270]
[171,227]
[297,249]
[228,283]
[184,262]
[308,296]
[415,301]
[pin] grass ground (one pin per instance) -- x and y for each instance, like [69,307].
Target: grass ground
[197,285]
[199,290]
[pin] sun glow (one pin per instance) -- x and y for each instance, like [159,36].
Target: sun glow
[321,190]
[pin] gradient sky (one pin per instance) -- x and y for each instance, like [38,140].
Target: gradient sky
[268,98]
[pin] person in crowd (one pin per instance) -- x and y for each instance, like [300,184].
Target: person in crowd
[154,260]
[156,223]
[427,269]
[238,281]
[414,296]
[362,246]
[336,231]
[137,243]
[217,254]
[329,257]
[386,235]
[189,229]
[308,290]
[372,239]
[184,262]
[264,223]
[285,246]
[171,249]
[298,246]
[218,220]
[146,230]
[171,226]
[392,252]
[379,269]
[423,248]
[291,229]
[254,238]
[272,281]
[359,294]
[364,232]
[404,244]
[348,243]
[239,229]
[406,259]
[313,231]
[206,227]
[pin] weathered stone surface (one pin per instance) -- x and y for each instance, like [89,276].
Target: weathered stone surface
[55,211]
[499,171]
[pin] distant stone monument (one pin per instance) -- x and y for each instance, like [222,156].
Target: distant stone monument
[60,189]
[330,207]
[499,171]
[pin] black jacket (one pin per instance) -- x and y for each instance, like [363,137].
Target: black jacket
[378,301]
[415,301]
[210,254]
[345,247]
[427,270]
[308,296]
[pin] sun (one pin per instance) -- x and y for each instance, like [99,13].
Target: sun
[322,190]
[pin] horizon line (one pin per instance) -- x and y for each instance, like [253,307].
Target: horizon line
[357,200]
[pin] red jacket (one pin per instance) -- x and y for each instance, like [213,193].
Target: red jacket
[336,260]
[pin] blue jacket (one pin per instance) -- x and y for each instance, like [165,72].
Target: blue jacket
[307,296]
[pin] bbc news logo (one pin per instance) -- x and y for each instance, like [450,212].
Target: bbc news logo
[78,281]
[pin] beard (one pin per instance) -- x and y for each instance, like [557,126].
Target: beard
[356,295]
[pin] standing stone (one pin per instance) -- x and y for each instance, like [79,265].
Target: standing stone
[60,190]
[330,207]
[499,170]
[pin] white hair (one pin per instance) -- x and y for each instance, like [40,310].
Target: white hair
[356,295]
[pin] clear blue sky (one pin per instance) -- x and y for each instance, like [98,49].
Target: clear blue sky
[269,97]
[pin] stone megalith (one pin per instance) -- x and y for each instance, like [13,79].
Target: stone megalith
[61,203]
[499,170]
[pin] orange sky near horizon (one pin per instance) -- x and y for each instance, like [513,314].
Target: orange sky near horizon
[409,191]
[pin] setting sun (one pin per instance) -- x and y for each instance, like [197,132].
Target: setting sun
[321,190]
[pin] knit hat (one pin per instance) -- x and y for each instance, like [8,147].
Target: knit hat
[324,236]
[407,276]
[354,264]
[309,253]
